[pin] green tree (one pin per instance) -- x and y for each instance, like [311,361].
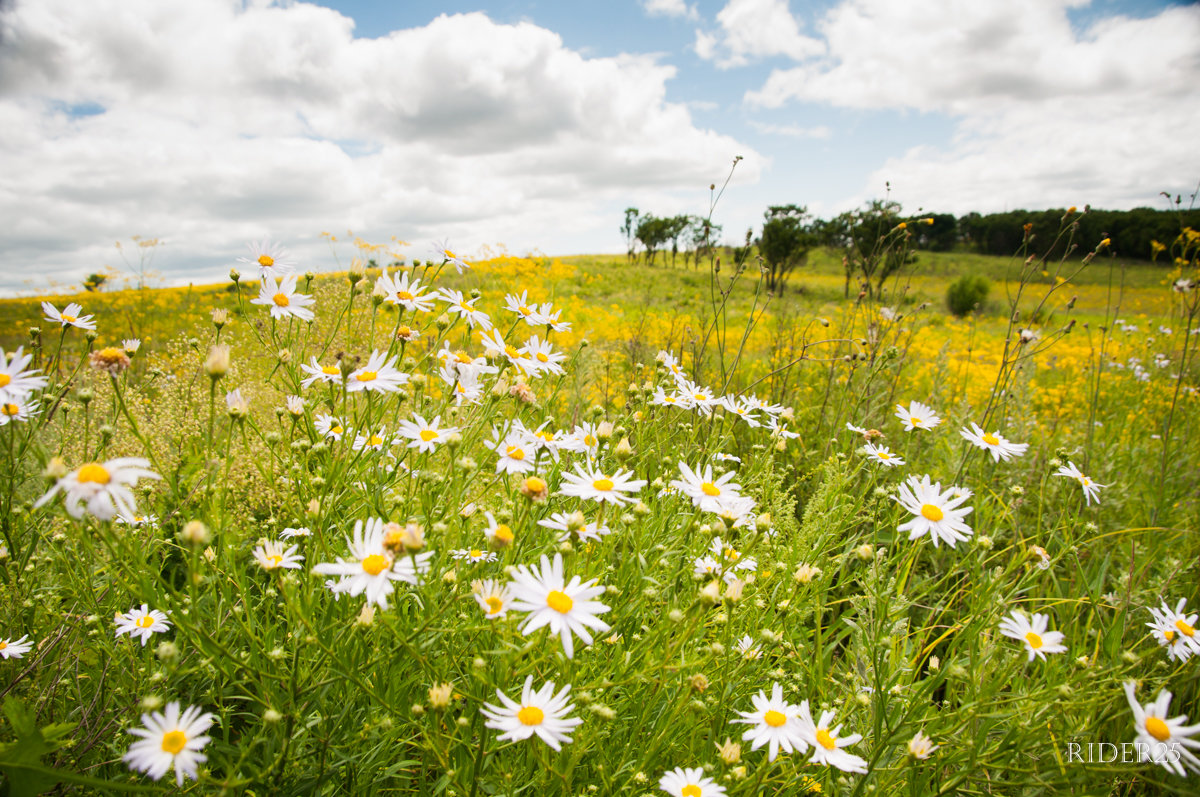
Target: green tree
[653,232]
[629,230]
[787,236]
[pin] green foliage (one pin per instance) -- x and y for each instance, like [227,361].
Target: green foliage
[967,294]
[786,239]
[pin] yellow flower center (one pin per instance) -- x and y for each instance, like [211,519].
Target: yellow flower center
[699,397]
[1183,626]
[375,440]
[367,376]
[523,310]
[915,421]
[451,256]
[503,533]
[375,564]
[94,472]
[825,738]
[708,488]
[404,296]
[691,790]
[512,352]
[144,622]
[330,370]
[11,409]
[281,299]
[173,742]
[883,455]
[404,331]
[531,715]
[428,434]
[494,604]
[542,358]
[547,436]
[1034,640]
[476,553]
[991,439]
[1169,636]
[515,453]
[5,380]
[70,319]
[1158,729]
[603,485]
[559,601]
[589,441]
[3,644]
[774,718]
[931,512]
[466,308]
[273,561]
[336,429]
[111,352]
[266,261]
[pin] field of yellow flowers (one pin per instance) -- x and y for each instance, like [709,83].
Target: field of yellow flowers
[575,526]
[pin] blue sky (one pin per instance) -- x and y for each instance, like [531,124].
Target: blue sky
[531,125]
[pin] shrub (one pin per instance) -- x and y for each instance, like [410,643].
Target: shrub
[967,293]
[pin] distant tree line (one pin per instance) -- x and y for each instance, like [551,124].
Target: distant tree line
[877,239]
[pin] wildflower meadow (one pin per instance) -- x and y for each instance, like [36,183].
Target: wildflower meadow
[531,526]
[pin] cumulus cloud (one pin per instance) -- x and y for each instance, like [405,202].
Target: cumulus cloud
[753,29]
[792,131]
[211,122]
[1046,113]
[670,8]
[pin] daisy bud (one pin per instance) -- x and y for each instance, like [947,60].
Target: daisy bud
[604,431]
[151,703]
[55,469]
[284,356]
[167,652]
[865,552]
[195,533]
[210,556]
[711,594]
[450,576]
[442,321]
[733,592]
[675,616]
[738,773]
[217,363]
[534,488]
[220,317]
[468,464]
[729,751]
[439,695]
[640,509]
[366,618]
[235,275]
[271,716]
[85,395]
[935,664]
[417,709]
[91,335]
[603,712]
[314,506]
[623,450]
[1130,657]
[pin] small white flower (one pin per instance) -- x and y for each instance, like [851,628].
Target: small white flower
[1091,490]
[143,622]
[567,608]
[103,487]
[935,512]
[993,443]
[1032,631]
[542,713]
[775,723]
[170,739]
[827,744]
[15,648]
[917,416]
[1162,739]
[271,555]
[71,316]
[690,783]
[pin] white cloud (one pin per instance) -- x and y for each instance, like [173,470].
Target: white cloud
[754,29]
[792,131]
[1045,114]
[211,122]
[670,8]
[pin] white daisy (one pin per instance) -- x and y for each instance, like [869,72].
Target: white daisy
[540,357]
[15,382]
[690,783]
[1176,630]
[103,487]
[1091,490]
[320,373]
[883,455]
[567,608]
[473,555]
[271,555]
[595,485]
[704,566]
[409,295]
[524,309]
[329,426]
[375,441]
[549,317]
[378,375]
[15,648]
[493,597]
[747,648]
[372,568]
[708,493]
[774,722]
[271,259]
[827,745]
[301,531]
[17,409]
[70,316]
[1162,739]
[465,307]
[170,739]
[1032,631]
[143,622]
[993,443]
[424,435]
[729,557]
[543,713]
[935,512]
[137,521]
[921,746]
[283,300]
[574,524]
[442,249]
[515,452]
[917,416]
